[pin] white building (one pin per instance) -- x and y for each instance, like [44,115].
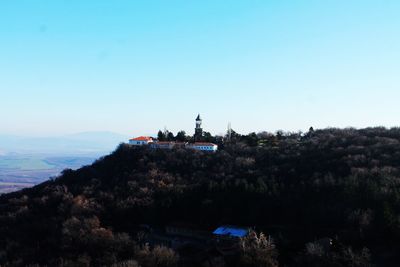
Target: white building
[204,146]
[141,140]
[167,144]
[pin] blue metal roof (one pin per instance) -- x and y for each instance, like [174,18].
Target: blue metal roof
[231,231]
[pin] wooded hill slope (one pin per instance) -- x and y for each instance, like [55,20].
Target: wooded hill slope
[337,183]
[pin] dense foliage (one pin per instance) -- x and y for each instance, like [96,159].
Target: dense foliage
[298,188]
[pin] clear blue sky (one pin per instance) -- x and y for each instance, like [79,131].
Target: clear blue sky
[134,67]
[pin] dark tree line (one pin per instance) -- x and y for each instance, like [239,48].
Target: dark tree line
[181,136]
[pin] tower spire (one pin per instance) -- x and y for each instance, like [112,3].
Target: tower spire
[229,132]
[198,131]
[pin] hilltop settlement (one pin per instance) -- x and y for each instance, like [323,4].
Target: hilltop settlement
[196,143]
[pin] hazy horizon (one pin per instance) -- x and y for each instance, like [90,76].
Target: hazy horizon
[189,132]
[137,67]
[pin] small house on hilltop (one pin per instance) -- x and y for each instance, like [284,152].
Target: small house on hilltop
[141,140]
[204,146]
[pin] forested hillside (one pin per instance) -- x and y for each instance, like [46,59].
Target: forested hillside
[341,184]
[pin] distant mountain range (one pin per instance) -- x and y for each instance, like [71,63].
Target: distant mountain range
[87,143]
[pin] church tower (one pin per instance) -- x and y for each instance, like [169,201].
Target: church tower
[198,131]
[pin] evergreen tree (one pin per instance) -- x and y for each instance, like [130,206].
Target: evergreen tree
[161,136]
[181,136]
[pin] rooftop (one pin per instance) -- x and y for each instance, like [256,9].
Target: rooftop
[231,231]
[142,138]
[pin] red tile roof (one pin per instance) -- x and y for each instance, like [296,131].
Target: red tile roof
[142,138]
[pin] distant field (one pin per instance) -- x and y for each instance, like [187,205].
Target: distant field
[10,187]
[17,172]
[24,163]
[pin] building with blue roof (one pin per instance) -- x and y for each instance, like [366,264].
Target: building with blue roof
[231,231]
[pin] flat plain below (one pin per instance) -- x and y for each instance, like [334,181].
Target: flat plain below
[21,171]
